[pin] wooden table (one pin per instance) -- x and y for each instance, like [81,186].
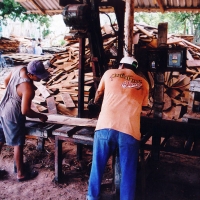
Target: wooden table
[76,134]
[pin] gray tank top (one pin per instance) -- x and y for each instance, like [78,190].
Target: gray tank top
[10,105]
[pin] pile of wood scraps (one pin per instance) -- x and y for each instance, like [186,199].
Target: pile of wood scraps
[59,95]
[25,58]
[176,93]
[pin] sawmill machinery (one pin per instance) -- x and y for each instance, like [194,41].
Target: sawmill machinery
[83,18]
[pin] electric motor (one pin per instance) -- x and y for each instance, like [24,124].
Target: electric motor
[77,16]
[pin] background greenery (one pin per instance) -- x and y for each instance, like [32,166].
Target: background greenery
[178,23]
[13,10]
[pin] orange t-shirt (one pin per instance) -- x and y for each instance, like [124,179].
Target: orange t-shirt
[124,95]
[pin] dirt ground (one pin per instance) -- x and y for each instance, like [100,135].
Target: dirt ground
[174,177]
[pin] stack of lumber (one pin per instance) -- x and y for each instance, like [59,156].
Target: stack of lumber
[9,45]
[25,58]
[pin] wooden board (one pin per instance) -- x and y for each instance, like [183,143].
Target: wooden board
[51,105]
[67,100]
[73,112]
[62,119]
[41,108]
[193,63]
[43,91]
[69,78]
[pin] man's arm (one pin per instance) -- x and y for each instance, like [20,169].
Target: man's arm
[27,92]
[98,97]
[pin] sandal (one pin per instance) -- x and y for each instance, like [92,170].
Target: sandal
[28,176]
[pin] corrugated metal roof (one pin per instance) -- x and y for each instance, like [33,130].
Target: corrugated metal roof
[52,7]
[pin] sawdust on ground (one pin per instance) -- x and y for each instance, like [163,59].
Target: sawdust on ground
[75,173]
[174,177]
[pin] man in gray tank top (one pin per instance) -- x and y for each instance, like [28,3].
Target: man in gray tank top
[15,106]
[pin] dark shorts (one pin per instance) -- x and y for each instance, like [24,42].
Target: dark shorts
[14,133]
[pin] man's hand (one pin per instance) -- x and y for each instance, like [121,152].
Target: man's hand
[43,118]
[92,106]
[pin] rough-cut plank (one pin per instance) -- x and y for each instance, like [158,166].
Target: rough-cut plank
[69,68]
[182,83]
[167,102]
[34,107]
[55,77]
[69,78]
[51,105]
[43,90]
[177,102]
[66,130]
[168,115]
[62,119]
[38,100]
[173,40]
[54,86]
[193,63]
[153,43]
[173,93]
[41,108]
[191,44]
[189,56]
[65,64]
[61,60]
[177,112]
[172,81]
[61,78]
[67,111]
[149,34]
[67,100]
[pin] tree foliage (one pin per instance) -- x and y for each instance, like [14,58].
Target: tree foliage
[176,20]
[13,10]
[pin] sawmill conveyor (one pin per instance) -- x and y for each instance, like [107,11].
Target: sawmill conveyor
[156,136]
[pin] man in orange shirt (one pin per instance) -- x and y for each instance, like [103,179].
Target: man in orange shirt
[118,127]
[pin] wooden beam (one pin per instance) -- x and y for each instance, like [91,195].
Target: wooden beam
[129,19]
[63,119]
[38,7]
[182,9]
[160,6]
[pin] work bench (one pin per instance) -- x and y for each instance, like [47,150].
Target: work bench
[78,135]
[159,130]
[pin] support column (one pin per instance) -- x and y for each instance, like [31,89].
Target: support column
[129,21]
[159,95]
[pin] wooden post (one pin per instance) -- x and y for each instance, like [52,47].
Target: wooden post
[159,95]
[129,19]
[58,159]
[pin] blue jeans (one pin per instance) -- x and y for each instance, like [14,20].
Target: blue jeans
[106,141]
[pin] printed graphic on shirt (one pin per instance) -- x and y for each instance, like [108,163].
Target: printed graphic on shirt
[129,82]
